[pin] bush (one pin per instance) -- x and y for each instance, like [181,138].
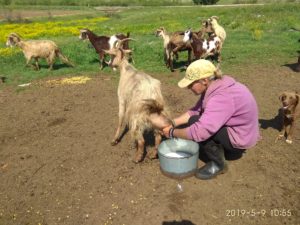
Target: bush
[205,2]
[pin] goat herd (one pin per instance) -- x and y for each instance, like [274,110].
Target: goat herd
[140,99]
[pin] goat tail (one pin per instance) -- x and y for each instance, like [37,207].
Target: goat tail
[148,114]
[63,58]
[128,34]
[151,106]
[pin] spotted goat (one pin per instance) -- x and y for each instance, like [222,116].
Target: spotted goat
[102,43]
[203,48]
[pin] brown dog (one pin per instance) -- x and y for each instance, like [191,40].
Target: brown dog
[291,112]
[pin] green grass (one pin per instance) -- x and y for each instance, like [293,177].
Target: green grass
[72,3]
[255,35]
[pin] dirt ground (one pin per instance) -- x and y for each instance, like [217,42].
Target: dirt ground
[57,165]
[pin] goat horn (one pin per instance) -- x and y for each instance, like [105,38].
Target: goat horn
[120,43]
[14,34]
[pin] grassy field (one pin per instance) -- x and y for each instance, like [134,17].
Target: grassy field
[129,2]
[255,35]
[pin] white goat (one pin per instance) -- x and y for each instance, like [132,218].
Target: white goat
[38,49]
[218,30]
[161,32]
[140,102]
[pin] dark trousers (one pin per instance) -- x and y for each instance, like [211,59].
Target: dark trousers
[220,138]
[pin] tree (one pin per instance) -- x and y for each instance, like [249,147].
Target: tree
[205,2]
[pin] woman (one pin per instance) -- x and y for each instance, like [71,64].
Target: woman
[225,118]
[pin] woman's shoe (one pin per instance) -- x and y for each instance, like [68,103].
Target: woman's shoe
[210,170]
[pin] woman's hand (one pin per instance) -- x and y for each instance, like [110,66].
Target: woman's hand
[166,131]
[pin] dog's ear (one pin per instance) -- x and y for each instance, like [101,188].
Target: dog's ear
[280,96]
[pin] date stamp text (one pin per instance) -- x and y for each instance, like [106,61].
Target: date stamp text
[280,212]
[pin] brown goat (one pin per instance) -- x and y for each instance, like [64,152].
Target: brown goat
[36,49]
[203,48]
[140,103]
[206,28]
[173,43]
[102,43]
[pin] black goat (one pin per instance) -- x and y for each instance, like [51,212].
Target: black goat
[102,43]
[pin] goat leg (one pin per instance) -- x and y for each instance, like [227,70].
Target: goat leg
[101,59]
[116,139]
[176,55]
[117,136]
[28,63]
[166,57]
[50,63]
[189,56]
[175,52]
[152,153]
[101,66]
[170,62]
[37,64]
[139,151]
[51,66]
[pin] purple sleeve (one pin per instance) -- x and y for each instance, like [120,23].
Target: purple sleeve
[218,110]
[196,109]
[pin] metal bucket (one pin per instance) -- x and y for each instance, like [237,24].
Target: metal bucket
[178,157]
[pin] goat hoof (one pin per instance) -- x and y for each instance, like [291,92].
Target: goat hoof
[136,161]
[114,142]
[138,158]
[288,141]
[152,154]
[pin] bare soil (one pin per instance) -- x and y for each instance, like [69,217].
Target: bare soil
[57,165]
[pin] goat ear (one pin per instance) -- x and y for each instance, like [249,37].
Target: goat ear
[15,35]
[127,51]
[204,22]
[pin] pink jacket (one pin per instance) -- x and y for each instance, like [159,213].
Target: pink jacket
[226,103]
